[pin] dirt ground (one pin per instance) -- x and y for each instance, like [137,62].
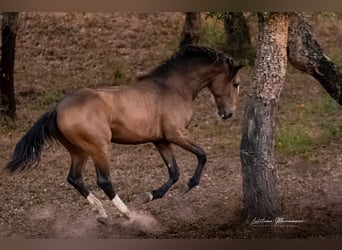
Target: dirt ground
[59,52]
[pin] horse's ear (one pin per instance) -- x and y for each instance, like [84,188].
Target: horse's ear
[237,68]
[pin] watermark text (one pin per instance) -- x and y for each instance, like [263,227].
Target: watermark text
[277,222]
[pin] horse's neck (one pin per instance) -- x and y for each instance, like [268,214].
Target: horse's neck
[190,83]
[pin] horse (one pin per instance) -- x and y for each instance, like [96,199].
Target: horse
[156,108]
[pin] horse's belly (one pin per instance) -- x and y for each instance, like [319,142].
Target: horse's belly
[134,136]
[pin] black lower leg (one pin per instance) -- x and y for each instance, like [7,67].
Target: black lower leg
[77,182]
[173,178]
[105,183]
[195,179]
[183,140]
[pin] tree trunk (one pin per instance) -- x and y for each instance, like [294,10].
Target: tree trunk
[305,54]
[191,30]
[260,196]
[9,26]
[238,39]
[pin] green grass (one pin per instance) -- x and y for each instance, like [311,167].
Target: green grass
[304,126]
[113,72]
[48,98]
[169,49]
[7,124]
[212,33]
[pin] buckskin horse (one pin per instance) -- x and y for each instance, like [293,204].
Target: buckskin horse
[156,108]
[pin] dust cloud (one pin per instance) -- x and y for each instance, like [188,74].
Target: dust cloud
[145,222]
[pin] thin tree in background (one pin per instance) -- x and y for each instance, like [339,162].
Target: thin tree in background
[7,97]
[260,195]
[191,30]
[238,39]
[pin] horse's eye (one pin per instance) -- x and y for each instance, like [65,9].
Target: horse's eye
[235,85]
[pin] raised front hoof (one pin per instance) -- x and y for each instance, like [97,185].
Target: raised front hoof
[102,220]
[147,197]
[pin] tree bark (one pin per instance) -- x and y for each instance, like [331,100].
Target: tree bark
[305,54]
[7,97]
[238,39]
[191,30]
[260,195]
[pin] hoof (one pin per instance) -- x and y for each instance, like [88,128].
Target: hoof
[102,220]
[184,188]
[147,197]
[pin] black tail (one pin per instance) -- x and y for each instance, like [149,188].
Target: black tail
[28,149]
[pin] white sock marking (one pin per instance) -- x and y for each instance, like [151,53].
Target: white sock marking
[120,205]
[97,205]
[150,196]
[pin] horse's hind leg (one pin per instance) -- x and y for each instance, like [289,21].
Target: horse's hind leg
[101,161]
[166,153]
[78,161]
[75,173]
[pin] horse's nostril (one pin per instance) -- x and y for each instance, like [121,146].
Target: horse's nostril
[226,116]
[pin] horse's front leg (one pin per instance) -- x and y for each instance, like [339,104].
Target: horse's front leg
[184,140]
[166,153]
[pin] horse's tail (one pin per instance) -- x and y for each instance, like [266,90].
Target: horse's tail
[28,150]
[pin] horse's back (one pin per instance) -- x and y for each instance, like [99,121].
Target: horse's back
[79,104]
[135,113]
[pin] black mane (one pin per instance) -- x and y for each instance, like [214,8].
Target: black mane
[190,51]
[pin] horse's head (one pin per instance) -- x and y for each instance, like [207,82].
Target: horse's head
[225,88]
